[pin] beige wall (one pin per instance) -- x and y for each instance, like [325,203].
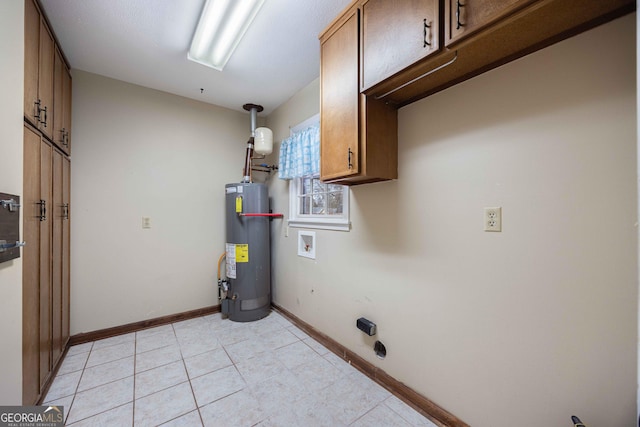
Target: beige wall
[139,152]
[11,119]
[527,326]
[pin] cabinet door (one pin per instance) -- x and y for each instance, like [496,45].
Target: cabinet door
[45,80]
[61,104]
[58,104]
[66,199]
[31,60]
[45,261]
[66,109]
[465,17]
[395,35]
[31,268]
[339,110]
[57,218]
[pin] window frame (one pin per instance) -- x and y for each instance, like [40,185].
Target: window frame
[322,222]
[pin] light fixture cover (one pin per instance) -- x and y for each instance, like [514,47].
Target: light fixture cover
[220,29]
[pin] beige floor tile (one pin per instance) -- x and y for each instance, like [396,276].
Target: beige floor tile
[216,385]
[296,354]
[192,419]
[381,415]
[278,338]
[106,373]
[207,362]
[317,375]
[120,416]
[101,399]
[160,378]
[155,341]
[164,406]
[158,357]
[237,410]
[64,385]
[260,368]
[246,349]
[73,363]
[119,339]
[80,348]
[279,393]
[109,354]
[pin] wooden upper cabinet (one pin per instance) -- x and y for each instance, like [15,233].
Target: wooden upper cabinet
[31,60]
[395,35]
[465,17]
[61,104]
[39,69]
[358,134]
[339,132]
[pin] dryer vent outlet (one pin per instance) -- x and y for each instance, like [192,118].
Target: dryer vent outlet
[366,326]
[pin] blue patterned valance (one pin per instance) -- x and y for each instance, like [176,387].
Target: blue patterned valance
[300,154]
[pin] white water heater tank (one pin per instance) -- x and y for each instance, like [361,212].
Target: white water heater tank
[263,141]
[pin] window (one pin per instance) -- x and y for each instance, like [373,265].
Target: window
[314,204]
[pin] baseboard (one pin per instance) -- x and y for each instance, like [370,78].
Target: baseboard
[411,397]
[138,326]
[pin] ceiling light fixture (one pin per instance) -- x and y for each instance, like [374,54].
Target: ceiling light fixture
[220,29]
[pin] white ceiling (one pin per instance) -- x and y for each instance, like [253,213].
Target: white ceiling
[145,42]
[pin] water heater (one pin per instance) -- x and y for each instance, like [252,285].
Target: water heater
[248,256]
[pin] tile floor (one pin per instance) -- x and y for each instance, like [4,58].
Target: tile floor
[213,372]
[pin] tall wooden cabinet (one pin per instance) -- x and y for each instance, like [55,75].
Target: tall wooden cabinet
[46,205]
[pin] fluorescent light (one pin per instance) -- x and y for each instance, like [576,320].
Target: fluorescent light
[220,29]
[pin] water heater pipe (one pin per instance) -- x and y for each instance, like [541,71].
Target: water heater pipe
[254,110]
[273,215]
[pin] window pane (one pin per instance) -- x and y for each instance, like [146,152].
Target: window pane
[334,188]
[318,204]
[319,187]
[334,203]
[306,185]
[304,205]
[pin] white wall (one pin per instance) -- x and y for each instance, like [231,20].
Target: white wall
[139,152]
[11,122]
[527,326]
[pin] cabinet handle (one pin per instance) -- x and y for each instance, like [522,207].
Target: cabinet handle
[43,210]
[458,6]
[65,137]
[426,26]
[36,111]
[65,211]
[349,153]
[45,117]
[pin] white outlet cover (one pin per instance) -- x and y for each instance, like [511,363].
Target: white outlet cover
[493,219]
[307,244]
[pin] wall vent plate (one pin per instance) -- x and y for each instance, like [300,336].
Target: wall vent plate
[307,244]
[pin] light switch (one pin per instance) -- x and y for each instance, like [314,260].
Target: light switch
[146,222]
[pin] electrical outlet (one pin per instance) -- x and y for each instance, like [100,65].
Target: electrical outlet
[493,219]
